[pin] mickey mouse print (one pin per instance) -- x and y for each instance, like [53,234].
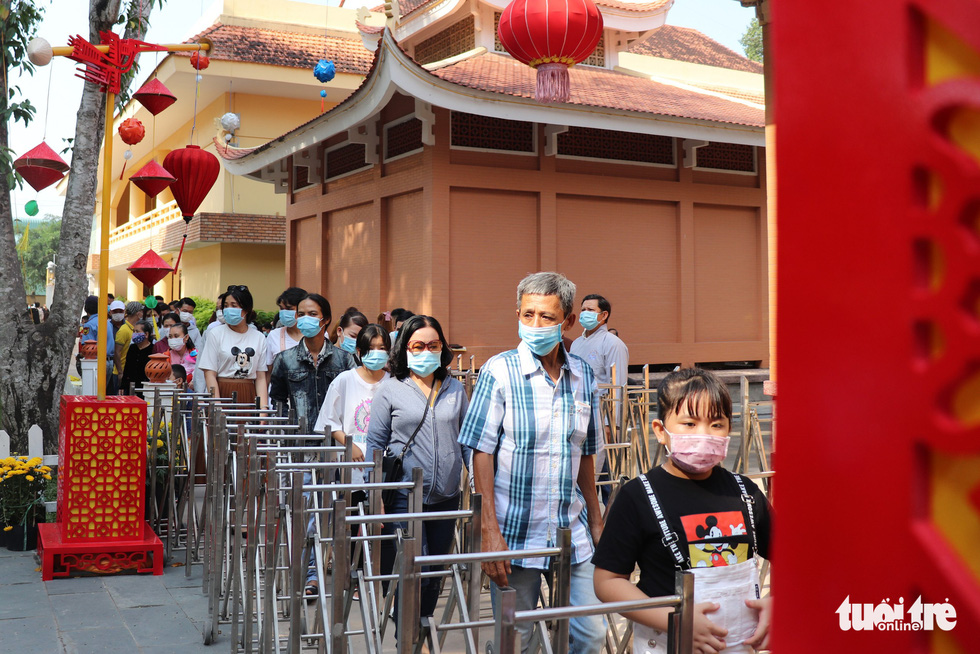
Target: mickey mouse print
[243,362]
[716,539]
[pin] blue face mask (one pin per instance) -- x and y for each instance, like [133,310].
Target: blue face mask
[589,319]
[375,359]
[138,338]
[393,335]
[541,340]
[233,315]
[348,344]
[308,326]
[287,317]
[424,364]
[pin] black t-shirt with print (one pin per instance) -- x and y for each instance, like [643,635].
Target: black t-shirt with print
[708,516]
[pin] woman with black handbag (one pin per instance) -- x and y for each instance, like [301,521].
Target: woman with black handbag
[416,414]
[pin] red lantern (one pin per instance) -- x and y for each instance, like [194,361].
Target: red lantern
[199,61]
[550,36]
[196,171]
[131,131]
[155,96]
[152,178]
[41,167]
[150,268]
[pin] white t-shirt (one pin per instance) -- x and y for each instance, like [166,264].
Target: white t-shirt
[347,408]
[231,354]
[273,342]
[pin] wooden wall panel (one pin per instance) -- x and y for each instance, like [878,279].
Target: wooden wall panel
[353,259]
[409,248]
[306,253]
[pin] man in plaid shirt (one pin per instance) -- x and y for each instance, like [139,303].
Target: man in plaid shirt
[532,423]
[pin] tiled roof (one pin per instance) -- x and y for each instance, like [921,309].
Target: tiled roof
[408,6]
[690,45]
[369,29]
[291,49]
[758,97]
[600,88]
[230,152]
[653,5]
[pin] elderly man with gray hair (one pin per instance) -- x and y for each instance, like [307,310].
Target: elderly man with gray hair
[532,423]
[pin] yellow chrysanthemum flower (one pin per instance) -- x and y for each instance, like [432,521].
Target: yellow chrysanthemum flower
[8,528]
[29,478]
[48,477]
[159,443]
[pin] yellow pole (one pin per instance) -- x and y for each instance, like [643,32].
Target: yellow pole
[66,50]
[110,101]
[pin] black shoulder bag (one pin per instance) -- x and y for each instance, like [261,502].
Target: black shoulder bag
[393,465]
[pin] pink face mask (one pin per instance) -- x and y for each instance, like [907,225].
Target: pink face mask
[697,453]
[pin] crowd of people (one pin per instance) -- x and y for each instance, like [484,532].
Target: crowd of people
[530,435]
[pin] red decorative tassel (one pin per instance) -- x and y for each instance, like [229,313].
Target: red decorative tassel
[552,84]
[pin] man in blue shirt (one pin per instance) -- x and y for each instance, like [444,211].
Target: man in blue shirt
[90,332]
[532,424]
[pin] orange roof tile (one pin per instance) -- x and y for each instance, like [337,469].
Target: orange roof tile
[690,45]
[758,97]
[230,152]
[600,88]
[653,5]
[291,49]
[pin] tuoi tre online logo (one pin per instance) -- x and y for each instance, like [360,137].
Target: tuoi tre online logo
[895,617]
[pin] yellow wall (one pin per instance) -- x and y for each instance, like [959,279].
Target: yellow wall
[200,272]
[260,267]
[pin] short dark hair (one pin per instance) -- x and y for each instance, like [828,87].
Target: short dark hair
[602,302]
[187,300]
[689,388]
[320,300]
[159,298]
[147,327]
[400,315]
[244,298]
[368,334]
[110,296]
[182,326]
[179,372]
[92,305]
[292,296]
[399,356]
[172,317]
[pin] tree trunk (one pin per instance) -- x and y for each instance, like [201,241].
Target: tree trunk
[34,359]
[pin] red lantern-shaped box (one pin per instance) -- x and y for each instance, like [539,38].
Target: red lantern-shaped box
[152,178]
[196,171]
[150,268]
[41,167]
[155,96]
[131,131]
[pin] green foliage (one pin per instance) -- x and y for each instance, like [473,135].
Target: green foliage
[266,317]
[752,41]
[20,21]
[202,314]
[42,243]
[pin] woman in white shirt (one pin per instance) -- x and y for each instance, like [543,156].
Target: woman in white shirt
[346,410]
[234,358]
[288,335]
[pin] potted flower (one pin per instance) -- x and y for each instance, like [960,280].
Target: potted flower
[22,483]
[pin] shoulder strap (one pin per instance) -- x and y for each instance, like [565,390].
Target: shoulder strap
[430,402]
[749,502]
[282,339]
[670,538]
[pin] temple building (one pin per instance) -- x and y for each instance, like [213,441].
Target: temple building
[440,182]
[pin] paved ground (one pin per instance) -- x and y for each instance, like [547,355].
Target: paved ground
[122,613]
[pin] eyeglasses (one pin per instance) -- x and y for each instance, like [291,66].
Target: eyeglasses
[237,287]
[417,347]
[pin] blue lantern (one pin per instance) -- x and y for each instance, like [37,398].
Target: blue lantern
[324,71]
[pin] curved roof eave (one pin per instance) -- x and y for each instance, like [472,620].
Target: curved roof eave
[394,70]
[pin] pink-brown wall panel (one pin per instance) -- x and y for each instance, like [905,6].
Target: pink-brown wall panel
[409,253]
[353,258]
[493,245]
[306,238]
[728,274]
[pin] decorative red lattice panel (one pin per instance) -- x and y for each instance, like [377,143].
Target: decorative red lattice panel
[101,478]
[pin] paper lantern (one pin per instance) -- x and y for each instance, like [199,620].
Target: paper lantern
[199,61]
[550,36]
[155,96]
[196,171]
[131,131]
[41,167]
[150,268]
[324,71]
[152,178]
[31,208]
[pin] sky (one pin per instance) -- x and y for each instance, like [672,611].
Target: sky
[56,92]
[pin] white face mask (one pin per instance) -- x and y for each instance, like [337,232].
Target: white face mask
[118,317]
[221,317]
[175,343]
[186,317]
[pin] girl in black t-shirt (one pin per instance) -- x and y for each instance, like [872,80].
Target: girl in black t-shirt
[717,532]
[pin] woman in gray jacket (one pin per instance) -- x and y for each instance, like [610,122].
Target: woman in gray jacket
[420,379]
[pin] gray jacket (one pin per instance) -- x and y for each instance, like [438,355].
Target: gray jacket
[396,411]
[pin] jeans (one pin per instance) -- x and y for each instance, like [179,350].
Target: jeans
[437,538]
[586,634]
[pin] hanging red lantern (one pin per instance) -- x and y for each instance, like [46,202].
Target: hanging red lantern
[131,131]
[196,171]
[41,167]
[550,36]
[155,96]
[199,61]
[150,268]
[152,178]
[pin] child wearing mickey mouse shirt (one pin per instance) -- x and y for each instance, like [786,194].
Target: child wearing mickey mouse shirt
[694,515]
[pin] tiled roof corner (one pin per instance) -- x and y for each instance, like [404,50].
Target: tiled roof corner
[230,152]
[690,45]
[280,48]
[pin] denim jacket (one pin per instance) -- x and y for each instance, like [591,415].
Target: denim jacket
[295,378]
